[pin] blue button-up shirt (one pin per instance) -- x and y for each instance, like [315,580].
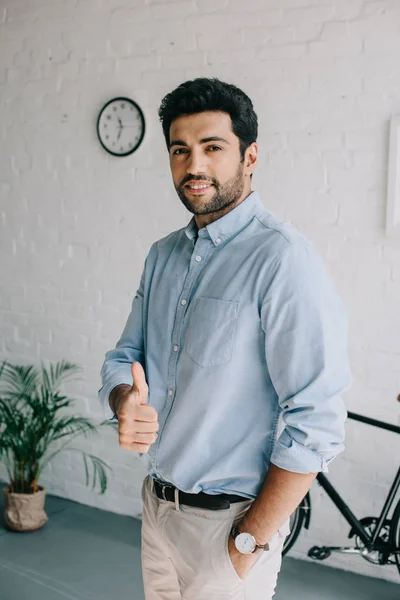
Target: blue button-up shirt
[239,328]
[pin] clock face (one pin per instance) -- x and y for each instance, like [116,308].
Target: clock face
[121,126]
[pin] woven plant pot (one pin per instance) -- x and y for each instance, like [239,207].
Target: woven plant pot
[25,512]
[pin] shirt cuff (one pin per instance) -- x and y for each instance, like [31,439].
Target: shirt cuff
[292,456]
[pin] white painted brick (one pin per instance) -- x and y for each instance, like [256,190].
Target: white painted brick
[133,16]
[110,5]
[313,66]
[323,209]
[308,14]
[380,362]
[286,122]
[157,1]
[339,159]
[335,32]
[344,82]
[365,140]
[356,178]
[221,58]
[164,81]
[380,6]
[23,334]
[273,141]
[256,36]
[175,10]
[210,6]
[290,51]
[190,59]
[230,40]
[349,47]
[123,46]
[348,9]
[210,22]
[381,81]
[165,42]
[373,160]
[9,49]
[319,142]
[396,273]
[373,43]
[295,3]
[391,253]
[367,217]
[307,32]
[260,18]
[131,68]
[370,103]
[384,380]
[282,35]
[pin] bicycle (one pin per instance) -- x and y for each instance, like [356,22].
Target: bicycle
[377,539]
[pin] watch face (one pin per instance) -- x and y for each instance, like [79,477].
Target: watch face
[121,126]
[245,543]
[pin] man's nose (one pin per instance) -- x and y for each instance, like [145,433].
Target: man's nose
[196,163]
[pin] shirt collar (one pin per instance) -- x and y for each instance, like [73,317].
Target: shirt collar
[227,226]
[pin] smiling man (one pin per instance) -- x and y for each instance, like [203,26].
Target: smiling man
[236,326]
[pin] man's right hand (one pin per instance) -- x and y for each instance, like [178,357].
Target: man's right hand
[137,420]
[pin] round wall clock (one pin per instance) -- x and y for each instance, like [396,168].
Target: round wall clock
[121,126]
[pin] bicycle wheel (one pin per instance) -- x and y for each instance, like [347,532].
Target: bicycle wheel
[297,519]
[395,534]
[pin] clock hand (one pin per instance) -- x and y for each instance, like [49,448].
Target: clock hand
[120,128]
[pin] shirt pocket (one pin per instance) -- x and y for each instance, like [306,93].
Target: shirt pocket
[211,331]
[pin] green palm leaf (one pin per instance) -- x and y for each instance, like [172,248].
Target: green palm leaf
[32,423]
[19,379]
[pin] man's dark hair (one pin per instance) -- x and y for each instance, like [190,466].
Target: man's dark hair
[204,94]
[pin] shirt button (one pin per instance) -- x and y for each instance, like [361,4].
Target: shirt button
[183,301]
[218,241]
[171,393]
[198,258]
[176,348]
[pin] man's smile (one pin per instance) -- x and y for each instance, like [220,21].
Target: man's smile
[198,188]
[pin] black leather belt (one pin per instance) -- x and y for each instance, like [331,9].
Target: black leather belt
[166,491]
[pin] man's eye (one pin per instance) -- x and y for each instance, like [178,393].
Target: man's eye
[179,151]
[213,148]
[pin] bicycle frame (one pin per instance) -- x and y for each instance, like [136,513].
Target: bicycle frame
[369,540]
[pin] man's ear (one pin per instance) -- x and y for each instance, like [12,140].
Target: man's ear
[251,158]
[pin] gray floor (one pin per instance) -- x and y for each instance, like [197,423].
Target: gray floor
[88,554]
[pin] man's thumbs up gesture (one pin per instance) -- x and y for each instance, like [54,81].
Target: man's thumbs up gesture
[137,420]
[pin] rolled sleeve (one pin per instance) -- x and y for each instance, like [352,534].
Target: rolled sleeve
[292,456]
[305,326]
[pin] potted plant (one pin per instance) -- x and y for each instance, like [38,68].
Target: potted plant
[35,426]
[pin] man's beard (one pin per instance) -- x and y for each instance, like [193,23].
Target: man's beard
[225,195]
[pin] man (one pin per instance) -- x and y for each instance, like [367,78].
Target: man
[235,325]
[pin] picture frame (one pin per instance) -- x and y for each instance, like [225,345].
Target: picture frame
[393,181]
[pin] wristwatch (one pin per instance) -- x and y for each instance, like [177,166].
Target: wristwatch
[246,543]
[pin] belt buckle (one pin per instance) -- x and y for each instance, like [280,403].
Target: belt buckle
[163,486]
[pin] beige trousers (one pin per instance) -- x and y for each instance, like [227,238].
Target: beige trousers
[185,553]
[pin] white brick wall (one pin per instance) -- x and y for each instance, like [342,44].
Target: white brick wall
[76,223]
